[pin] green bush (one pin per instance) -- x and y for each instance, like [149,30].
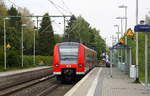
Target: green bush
[47,60]
[28,61]
[13,58]
[14,61]
[39,61]
[1,57]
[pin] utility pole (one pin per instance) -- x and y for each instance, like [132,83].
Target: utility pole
[117,32]
[121,18]
[146,63]
[118,41]
[22,45]
[126,53]
[65,27]
[5,57]
[37,24]
[34,48]
[5,44]
[137,45]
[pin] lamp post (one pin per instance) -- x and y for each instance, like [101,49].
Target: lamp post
[22,47]
[118,31]
[34,41]
[137,45]
[118,38]
[34,47]
[5,59]
[121,18]
[125,7]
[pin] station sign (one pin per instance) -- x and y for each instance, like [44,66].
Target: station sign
[8,46]
[130,33]
[121,41]
[142,28]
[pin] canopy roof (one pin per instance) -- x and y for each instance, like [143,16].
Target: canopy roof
[121,46]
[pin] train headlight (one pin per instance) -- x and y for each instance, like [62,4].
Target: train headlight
[57,65]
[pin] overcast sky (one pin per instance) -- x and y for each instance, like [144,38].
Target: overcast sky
[99,13]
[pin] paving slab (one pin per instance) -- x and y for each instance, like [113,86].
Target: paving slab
[121,85]
[99,83]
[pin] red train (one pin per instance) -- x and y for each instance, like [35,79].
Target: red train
[72,60]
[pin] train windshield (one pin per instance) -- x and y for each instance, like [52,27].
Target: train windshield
[68,54]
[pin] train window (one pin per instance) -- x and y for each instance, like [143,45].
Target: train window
[68,54]
[69,51]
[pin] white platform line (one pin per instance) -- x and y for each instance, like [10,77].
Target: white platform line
[94,84]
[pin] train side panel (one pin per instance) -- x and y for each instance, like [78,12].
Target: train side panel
[56,61]
[81,64]
[89,59]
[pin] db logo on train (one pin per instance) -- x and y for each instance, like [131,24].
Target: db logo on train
[69,66]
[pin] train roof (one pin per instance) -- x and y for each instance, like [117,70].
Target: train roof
[69,43]
[75,44]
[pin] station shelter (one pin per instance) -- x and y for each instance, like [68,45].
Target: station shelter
[121,57]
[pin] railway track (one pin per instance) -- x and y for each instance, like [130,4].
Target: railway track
[23,77]
[48,90]
[16,88]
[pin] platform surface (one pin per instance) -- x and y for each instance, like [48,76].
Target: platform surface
[7,73]
[99,83]
[86,86]
[121,85]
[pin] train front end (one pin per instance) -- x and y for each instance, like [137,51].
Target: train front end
[68,63]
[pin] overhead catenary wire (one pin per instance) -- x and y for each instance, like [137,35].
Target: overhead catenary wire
[59,8]
[13,4]
[66,7]
[56,7]
[46,27]
[76,26]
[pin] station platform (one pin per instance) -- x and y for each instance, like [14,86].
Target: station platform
[8,73]
[99,83]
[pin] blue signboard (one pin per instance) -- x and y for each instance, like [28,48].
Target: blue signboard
[142,28]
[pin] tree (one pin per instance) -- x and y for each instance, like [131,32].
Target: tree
[14,28]
[3,9]
[3,12]
[26,20]
[100,44]
[80,28]
[68,31]
[13,32]
[46,36]
[58,38]
[77,28]
[28,30]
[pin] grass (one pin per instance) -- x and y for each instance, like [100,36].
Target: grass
[142,77]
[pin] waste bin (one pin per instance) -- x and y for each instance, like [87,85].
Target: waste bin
[132,71]
[123,67]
